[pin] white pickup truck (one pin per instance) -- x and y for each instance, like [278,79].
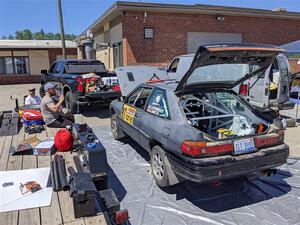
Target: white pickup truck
[268,90]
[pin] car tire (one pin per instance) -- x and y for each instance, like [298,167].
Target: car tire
[159,166]
[116,131]
[70,103]
[42,91]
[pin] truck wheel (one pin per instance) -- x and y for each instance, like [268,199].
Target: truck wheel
[42,91]
[70,103]
[117,132]
[158,166]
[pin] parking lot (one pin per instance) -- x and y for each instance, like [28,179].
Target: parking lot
[233,202]
[98,115]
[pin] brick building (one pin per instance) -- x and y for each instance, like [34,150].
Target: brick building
[130,33]
[22,60]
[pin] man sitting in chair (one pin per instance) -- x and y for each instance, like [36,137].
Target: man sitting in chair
[52,110]
[32,99]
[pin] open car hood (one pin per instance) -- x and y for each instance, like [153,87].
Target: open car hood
[226,65]
[130,77]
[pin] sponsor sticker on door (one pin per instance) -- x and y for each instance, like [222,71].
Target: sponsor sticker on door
[128,113]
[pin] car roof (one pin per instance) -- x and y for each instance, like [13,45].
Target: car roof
[77,60]
[169,85]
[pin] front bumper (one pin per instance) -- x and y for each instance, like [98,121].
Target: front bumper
[98,97]
[226,167]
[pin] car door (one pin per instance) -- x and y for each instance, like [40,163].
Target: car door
[132,110]
[156,111]
[283,80]
[258,89]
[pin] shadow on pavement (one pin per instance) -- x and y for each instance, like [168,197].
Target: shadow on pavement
[228,194]
[97,110]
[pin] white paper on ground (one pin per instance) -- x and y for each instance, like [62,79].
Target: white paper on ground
[11,198]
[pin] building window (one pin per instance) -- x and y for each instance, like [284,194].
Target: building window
[148,32]
[14,65]
[21,65]
[6,65]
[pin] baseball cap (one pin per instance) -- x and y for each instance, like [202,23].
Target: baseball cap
[48,86]
[31,89]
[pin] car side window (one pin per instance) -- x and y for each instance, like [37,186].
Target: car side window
[141,100]
[158,104]
[283,67]
[51,70]
[60,68]
[173,66]
[131,99]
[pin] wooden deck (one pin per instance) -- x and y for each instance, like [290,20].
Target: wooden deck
[61,209]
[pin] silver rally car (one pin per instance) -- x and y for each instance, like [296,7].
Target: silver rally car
[198,128]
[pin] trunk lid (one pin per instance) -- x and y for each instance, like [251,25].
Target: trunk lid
[226,66]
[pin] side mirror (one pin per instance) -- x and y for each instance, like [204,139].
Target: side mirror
[44,72]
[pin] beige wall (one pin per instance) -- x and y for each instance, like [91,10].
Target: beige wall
[106,56]
[5,53]
[112,36]
[58,57]
[38,60]
[20,53]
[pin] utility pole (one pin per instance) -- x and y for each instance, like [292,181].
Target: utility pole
[62,33]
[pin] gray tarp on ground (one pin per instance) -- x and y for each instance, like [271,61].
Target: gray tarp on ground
[273,200]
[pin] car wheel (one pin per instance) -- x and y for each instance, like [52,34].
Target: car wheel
[70,103]
[117,132]
[158,166]
[42,91]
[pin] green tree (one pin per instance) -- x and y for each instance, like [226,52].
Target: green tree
[19,35]
[24,35]
[3,37]
[39,35]
[10,37]
[49,36]
[57,36]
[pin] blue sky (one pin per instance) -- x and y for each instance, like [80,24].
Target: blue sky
[79,14]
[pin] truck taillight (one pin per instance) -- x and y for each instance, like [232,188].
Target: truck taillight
[192,148]
[116,88]
[80,87]
[244,89]
[121,216]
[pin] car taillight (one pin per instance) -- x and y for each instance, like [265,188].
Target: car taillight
[192,148]
[116,88]
[269,140]
[121,216]
[80,87]
[244,89]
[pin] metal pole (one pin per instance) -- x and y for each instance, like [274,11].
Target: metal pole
[62,33]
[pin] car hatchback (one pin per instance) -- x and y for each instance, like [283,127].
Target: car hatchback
[199,129]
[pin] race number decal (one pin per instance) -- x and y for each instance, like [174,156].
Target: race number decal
[128,114]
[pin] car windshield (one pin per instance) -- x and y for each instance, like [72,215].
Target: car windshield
[221,73]
[85,68]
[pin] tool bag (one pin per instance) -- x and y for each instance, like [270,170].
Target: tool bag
[63,140]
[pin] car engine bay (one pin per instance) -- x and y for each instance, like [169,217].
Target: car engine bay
[221,115]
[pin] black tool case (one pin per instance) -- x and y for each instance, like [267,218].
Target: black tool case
[92,155]
[83,193]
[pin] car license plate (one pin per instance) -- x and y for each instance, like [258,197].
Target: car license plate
[243,146]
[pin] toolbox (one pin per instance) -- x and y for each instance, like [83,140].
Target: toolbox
[83,193]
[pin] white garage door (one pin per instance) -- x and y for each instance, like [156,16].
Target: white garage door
[195,39]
